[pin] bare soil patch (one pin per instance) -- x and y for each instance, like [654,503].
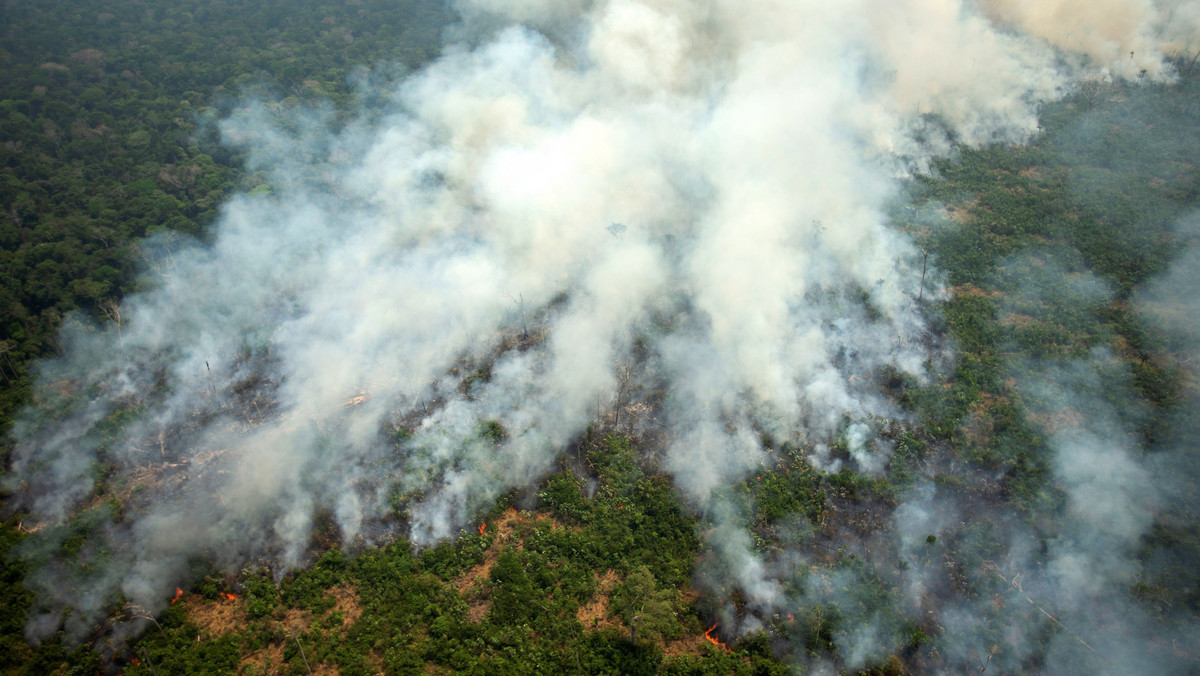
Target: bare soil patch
[215,618]
[269,660]
[972,290]
[595,614]
[347,602]
[472,584]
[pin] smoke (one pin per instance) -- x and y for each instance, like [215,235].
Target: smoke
[1055,591]
[573,189]
[1125,39]
[1171,301]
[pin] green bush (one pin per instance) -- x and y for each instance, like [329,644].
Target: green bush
[260,596]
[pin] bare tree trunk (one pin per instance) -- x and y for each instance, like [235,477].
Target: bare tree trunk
[211,381]
[924,264]
[624,378]
[520,303]
[112,309]
[302,656]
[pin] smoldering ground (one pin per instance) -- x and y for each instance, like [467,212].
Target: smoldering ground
[704,185]
[1084,572]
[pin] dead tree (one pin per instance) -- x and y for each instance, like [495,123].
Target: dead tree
[520,302]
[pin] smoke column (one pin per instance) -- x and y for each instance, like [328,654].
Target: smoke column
[696,189]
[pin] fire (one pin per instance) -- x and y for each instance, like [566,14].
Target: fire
[357,399]
[178,594]
[228,597]
[791,618]
[516,513]
[711,639]
[482,527]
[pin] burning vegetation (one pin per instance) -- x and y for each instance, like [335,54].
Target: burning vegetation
[739,413]
[564,569]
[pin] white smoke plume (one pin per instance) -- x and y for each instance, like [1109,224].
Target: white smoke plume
[1060,592]
[569,180]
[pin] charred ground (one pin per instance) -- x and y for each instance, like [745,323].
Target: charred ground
[1050,250]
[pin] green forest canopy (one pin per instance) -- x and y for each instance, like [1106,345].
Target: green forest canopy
[106,118]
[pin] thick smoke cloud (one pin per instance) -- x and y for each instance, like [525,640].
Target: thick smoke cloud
[695,189]
[1125,39]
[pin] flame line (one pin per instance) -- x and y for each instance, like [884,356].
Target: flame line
[709,637]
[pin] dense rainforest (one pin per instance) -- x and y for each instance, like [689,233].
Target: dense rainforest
[1047,252]
[108,133]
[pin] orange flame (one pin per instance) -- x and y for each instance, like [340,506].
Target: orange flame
[708,635]
[178,594]
[791,618]
[135,662]
[516,513]
[228,597]
[482,527]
